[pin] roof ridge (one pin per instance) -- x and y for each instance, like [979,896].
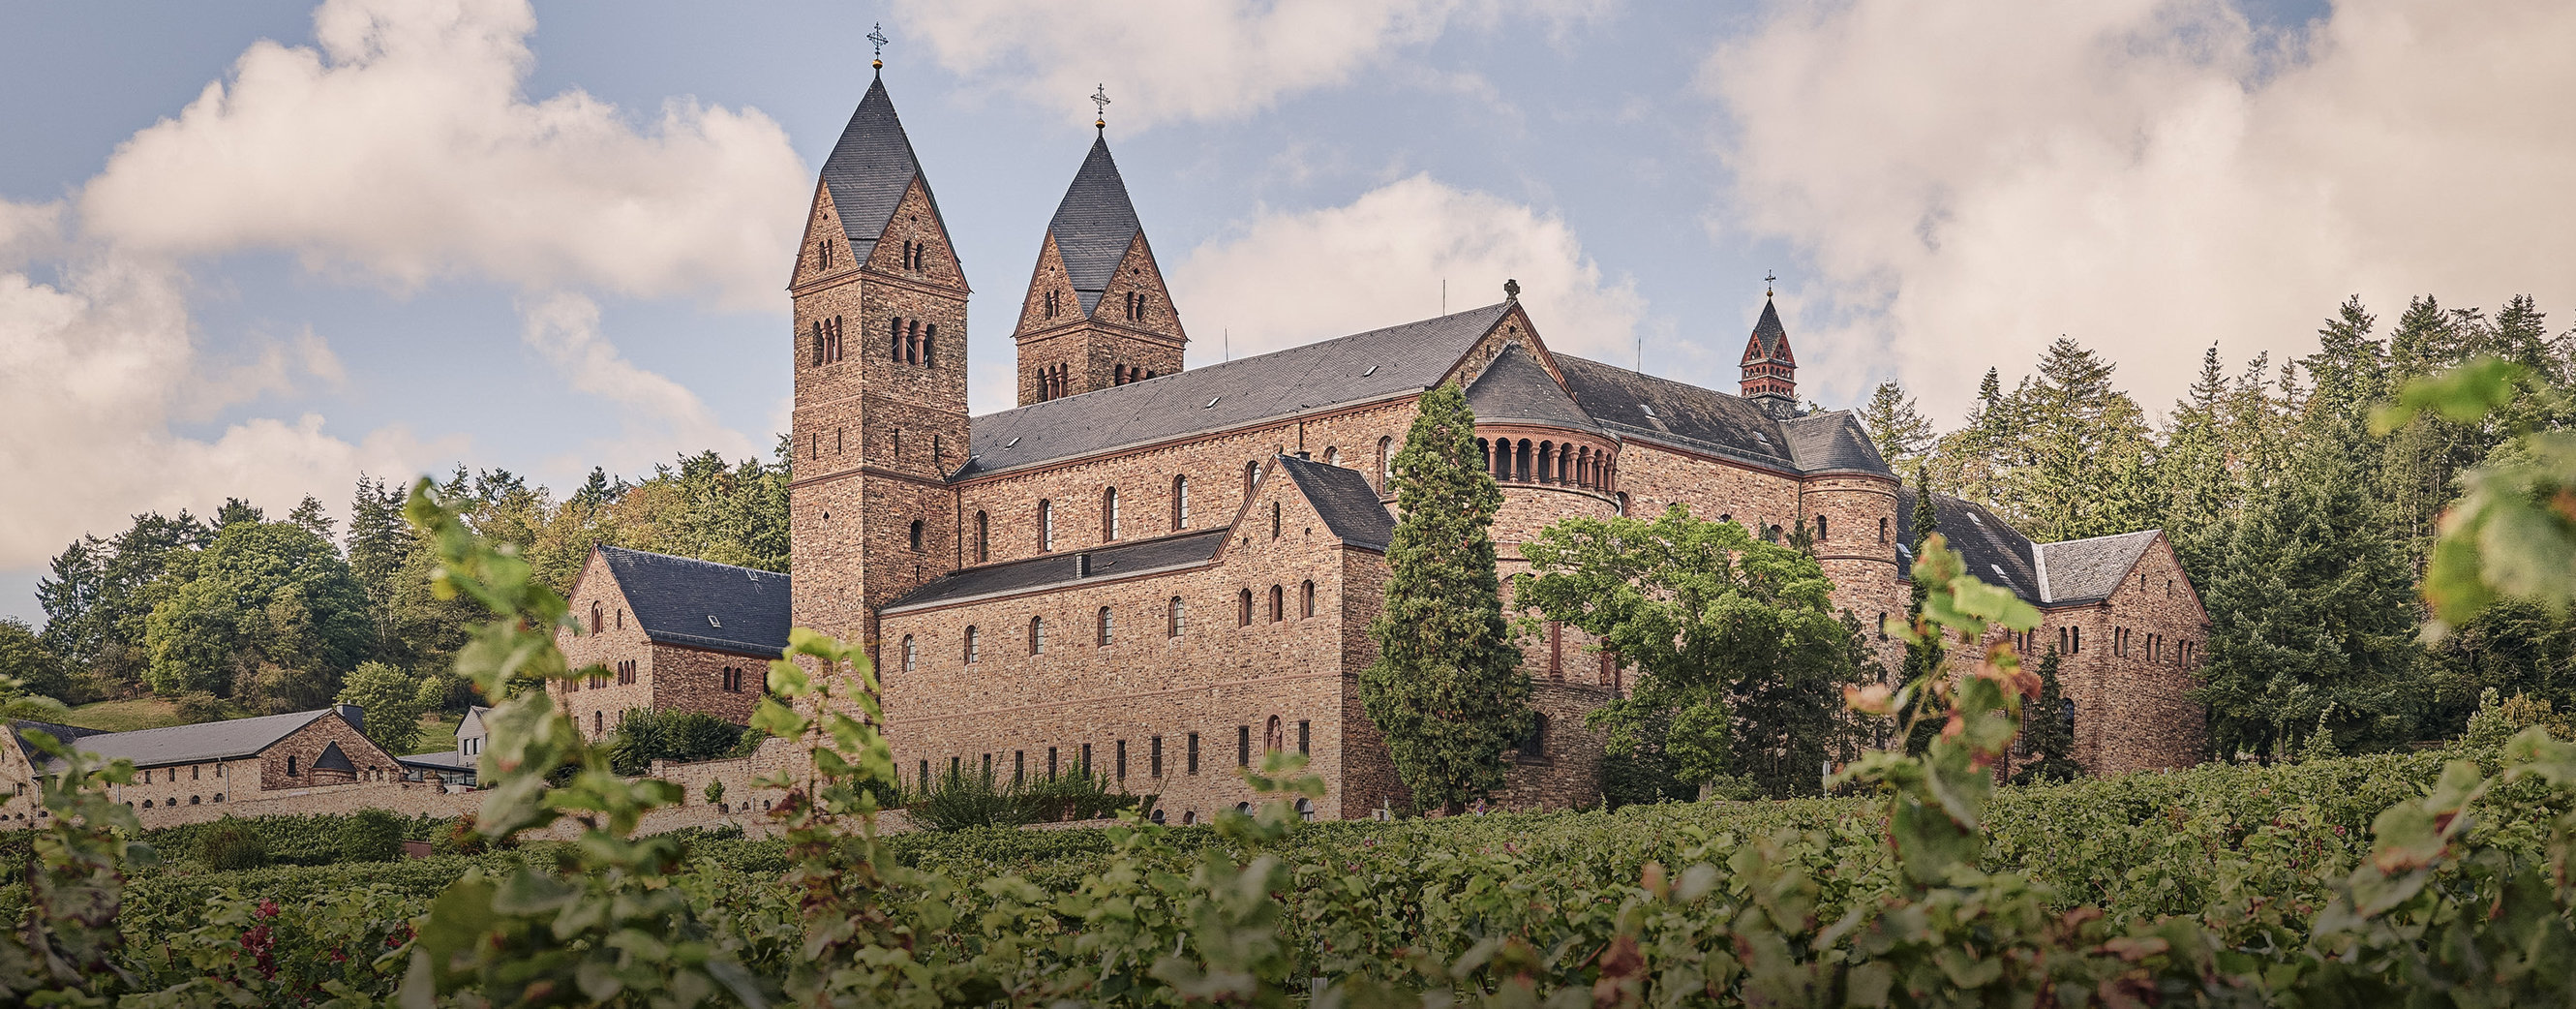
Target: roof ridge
[308,716]
[2104,536]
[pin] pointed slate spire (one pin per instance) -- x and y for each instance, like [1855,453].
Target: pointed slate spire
[1770,369]
[869,170]
[1094,225]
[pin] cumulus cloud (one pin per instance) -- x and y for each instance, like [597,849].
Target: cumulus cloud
[403,147]
[1969,181]
[98,364]
[1289,277]
[658,412]
[1192,59]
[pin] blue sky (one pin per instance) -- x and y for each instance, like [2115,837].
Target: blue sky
[395,236]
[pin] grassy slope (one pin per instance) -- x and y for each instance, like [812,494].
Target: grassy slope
[437,733]
[127,715]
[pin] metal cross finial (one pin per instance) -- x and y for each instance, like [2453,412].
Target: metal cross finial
[876,36]
[1100,106]
[1767,278]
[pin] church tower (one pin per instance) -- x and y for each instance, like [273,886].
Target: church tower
[1770,369]
[880,357]
[1097,313]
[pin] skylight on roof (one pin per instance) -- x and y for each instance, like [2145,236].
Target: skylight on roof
[1974,517]
[1211,402]
[713,622]
[1372,371]
[1648,407]
[1998,570]
[1006,445]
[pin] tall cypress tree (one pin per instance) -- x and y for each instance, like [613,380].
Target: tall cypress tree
[1447,690]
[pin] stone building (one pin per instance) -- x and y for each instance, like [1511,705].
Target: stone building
[1157,573]
[300,762]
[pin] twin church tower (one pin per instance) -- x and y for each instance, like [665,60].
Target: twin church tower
[880,422]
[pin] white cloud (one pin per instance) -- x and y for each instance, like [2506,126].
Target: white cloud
[1164,60]
[2146,176]
[1291,277]
[404,148]
[658,412]
[96,366]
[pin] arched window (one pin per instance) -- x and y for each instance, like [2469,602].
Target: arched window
[1882,530]
[916,535]
[1251,476]
[1109,514]
[1180,502]
[898,443]
[1882,625]
[974,644]
[1772,534]
[1546,462]
[1108,629]
[1533,746]
[1037,635]
[1046,526]
[1332,455]
[1820,529]
[929,333]
[1243,606]
[1175,618]
[595,613]
[1385,464]
[983,537]
[911,654]
[1274,520]
[1621,508]
[1307,608]
[1272,741]
[1278,604]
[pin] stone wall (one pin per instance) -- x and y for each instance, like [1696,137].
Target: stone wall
[2132,691]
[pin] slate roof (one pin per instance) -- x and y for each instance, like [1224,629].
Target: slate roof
[675,597]
[1062,569]
[869,169]
[2088,569]
[1094,225]
[1350,369]
[1349,505]
[1770,335]
[1633,403]
[189,744]
[1831,442]
[2052,574]
[1515,387]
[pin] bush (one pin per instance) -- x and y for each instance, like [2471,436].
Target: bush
[648,735]
[230,844]
[371,835]
[961,801]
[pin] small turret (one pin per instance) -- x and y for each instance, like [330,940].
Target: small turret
[1770,368]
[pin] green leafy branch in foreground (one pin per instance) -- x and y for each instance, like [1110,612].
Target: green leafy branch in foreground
[611,920]
[2513,530]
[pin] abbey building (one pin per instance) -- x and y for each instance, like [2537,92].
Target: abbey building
[1157,573]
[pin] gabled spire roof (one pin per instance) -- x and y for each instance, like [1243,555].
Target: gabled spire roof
[1094,225]
[1771,338]
[869,170]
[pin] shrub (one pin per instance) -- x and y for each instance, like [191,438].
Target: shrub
[229,844]
[648,735]
[371,835]
[963,801]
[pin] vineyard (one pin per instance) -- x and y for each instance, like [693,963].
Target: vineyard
[2429,878]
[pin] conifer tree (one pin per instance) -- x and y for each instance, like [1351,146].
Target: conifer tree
[1903,435]
[2048,732]
[1922,658]
[1447,691]
[2199,468]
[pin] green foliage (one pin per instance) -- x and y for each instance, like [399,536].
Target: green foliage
[268,614]
[647,735]
[2499,719]
[1742,656]
[2047,751]
[24,658]
[1902,433]
[1446,690]
[229,844]
[961,800]
[371,835]
[391,703]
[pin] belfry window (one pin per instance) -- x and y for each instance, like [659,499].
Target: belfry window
[895,342]
[823,254]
